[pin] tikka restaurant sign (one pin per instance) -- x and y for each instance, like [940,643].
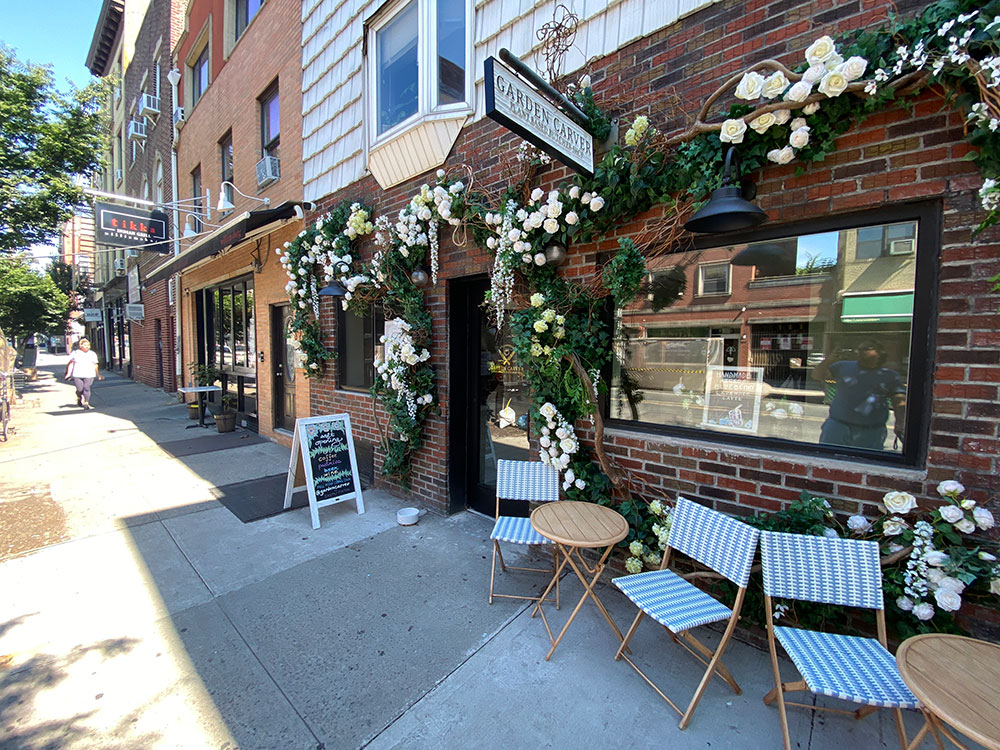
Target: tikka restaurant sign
[120,226]
[520,108]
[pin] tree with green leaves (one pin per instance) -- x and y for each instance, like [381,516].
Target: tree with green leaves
[47,139]
[30,301]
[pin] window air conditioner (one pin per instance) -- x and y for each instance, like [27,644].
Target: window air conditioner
[132,252]
[137,130]
[178,117]
[119,265]
[268,170]
[900,247]
[149,105]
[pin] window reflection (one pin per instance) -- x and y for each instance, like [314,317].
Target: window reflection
[811,342]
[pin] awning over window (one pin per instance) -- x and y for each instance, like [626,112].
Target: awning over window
[229,234]
[883,307]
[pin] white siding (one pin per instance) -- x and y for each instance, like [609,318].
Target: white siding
[333,142]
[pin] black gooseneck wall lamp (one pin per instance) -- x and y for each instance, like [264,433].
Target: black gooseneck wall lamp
[728,210]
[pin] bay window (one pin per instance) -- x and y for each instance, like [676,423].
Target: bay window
[419,57]
[803,338]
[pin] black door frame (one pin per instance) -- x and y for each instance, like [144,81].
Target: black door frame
[465,295]
[278,352]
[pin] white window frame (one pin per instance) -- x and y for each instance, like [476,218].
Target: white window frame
[427,94]
[701,279]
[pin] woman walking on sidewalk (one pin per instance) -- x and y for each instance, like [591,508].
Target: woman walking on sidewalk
[83,368]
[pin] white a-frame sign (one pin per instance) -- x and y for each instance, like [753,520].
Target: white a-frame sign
[325,447]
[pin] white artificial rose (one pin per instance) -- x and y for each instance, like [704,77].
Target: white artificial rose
[811,108]
[966,526]
[951,513]
[893,526]
[995,586]
[983,518]
[781,116]
[572,217]
[820,51]
[948,600]
[732,131]
[905,603]
[551,226]
[798,122]
[574,192]
[781,155]
[774,85]
[814,73]
[536,195]
[763,122]
[934,577]
[950,487]
[831,533]
[834,62]
[968,503]
[899,502]
[853,68]
[798,92]
[539,259]
[858,524]
[596,203]
[924,611]
[833,84]
[949,583]
[937,558]
[750,86]
[799,137]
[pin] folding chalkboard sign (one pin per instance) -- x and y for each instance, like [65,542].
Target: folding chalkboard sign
[324,448]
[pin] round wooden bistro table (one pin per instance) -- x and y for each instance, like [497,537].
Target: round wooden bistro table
[575,526]
[956,679]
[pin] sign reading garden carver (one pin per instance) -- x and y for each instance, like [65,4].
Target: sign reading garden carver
[324,448]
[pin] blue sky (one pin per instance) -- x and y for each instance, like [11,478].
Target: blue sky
[56,32]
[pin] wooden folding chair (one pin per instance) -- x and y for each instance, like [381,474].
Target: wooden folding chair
[717,541]
[842,572]
[525,481]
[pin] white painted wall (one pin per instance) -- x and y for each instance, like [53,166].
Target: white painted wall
[333,141]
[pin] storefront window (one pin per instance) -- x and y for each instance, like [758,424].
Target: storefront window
[359,347]
[813,344]
[228,341]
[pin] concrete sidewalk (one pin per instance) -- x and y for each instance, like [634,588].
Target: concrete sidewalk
[140,613]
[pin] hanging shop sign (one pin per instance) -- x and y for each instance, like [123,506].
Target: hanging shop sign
[732,398]
[92,314]
[135,312]
[121,226]
[517,106]
[323,451]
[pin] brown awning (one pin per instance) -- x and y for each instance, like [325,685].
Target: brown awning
[229,234]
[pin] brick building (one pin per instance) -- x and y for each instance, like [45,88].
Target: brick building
[889,215]
[240,141]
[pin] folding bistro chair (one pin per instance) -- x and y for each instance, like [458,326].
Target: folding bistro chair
[717,541]
[527,481]
[843,572]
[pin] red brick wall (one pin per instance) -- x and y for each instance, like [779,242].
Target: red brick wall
[895,156]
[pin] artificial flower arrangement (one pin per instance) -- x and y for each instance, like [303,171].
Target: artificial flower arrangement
[312,260]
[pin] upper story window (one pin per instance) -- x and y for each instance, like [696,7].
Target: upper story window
[159,181]
[200,75]
[245,11]
[713,279]
[226,159]
[418,62]
[892,239]
[270,122]
[832,362]
[196,194]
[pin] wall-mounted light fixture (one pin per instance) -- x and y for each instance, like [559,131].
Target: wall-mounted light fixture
[729,209]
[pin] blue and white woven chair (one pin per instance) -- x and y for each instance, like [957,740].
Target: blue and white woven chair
[717,541]
[527,481]
[842,572]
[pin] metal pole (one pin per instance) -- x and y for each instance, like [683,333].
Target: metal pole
[540,83]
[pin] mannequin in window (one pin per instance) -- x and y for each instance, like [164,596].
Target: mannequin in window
[859,410]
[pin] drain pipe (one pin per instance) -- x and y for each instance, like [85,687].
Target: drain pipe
[174,77]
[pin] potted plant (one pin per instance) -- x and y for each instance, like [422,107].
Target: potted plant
[225,421]
[202,375]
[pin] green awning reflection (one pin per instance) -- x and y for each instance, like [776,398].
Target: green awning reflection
[894,307]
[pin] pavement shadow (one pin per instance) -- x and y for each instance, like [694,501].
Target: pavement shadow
[21,688]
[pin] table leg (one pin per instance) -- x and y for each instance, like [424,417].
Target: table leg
[938,729]
[588,592]
[201,409]
[538,605]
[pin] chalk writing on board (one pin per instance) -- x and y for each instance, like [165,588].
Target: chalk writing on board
[330,457]
[732,398]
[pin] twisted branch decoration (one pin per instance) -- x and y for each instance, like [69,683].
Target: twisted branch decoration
[557,38]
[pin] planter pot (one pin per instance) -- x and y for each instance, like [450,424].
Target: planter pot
[192,411]
[225,422]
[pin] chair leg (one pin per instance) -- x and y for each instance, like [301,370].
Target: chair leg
[555,571]
[493,568]
[900,729]
[628,635]
[710,655]
[496,549]
[778,691]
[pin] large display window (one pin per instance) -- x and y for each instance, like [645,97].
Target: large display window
[809,336]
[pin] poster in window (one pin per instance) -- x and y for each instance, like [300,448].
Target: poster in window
[732,398]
